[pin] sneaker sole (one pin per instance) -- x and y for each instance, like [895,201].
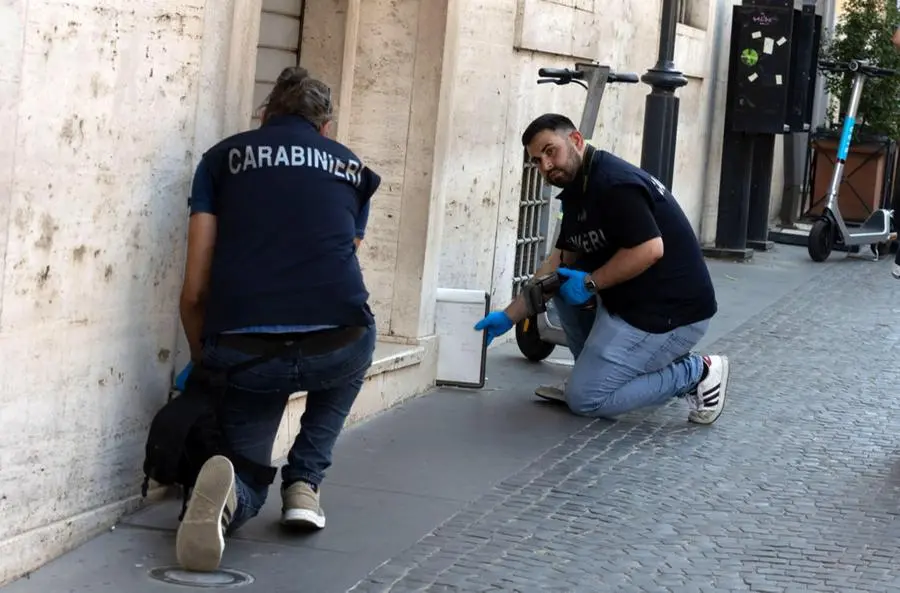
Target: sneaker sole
[302,519]
[199,544]
[723,393]
[560,399]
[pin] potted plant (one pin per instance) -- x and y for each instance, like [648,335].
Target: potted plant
[863,31]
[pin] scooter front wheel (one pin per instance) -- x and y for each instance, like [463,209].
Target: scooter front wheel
[529,341]
[821,240]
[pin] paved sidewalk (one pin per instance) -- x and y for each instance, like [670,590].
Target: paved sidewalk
[796,488]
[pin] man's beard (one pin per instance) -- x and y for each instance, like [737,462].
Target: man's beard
[561,177]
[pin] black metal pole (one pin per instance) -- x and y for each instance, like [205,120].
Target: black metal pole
[661,107]
[760,192]
[735,181]
[734,198]
[790,196]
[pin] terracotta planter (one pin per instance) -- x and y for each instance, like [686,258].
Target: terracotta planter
[867,176]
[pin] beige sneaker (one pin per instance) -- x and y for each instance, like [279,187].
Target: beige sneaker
[301,508]
[200,541]
[552,393]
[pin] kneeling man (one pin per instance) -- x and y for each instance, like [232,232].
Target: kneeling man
[636,295]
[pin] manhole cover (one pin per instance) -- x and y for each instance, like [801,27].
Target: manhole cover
[224,578]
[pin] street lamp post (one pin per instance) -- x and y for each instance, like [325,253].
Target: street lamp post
[661,107]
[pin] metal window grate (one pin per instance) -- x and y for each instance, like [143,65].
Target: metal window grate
[534,221]
[682,12]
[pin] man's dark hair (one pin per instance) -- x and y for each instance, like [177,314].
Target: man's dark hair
[297,93]
[548,121]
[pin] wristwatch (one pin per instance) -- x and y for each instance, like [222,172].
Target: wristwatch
[589,284]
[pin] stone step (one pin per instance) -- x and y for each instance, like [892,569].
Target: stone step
[398,372]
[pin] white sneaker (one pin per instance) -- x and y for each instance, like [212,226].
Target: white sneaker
[709,398]
[895,271]
[552,393]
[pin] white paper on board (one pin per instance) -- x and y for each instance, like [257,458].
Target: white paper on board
[778,79]
[756,35]
[781,42]
[768,45]
[753,77]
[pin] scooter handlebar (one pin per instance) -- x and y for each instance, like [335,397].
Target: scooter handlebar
[565,75]
[624,77]
[561,73]
[879,72]
[856,66]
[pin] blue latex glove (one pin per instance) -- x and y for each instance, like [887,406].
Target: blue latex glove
[496,324]
[182,377]
[573,290]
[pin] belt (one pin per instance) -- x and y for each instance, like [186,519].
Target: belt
[312,343]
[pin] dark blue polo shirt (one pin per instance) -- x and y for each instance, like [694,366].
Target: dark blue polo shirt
[203,200]
[288,203]
[615,205]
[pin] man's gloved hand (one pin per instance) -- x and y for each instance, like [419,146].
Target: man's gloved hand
[182,377]
[573,291]
[496,324]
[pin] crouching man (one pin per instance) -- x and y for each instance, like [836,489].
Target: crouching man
[272,272]
[636,295]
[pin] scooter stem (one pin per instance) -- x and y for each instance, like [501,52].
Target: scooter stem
[846,137]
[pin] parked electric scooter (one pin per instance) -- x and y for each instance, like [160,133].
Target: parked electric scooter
[537,336]
[830,229]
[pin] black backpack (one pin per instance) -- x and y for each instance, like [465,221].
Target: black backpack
[186,432]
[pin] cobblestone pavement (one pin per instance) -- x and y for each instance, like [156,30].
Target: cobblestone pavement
[795,488]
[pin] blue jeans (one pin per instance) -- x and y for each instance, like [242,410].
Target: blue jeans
[254,404]
[619,368]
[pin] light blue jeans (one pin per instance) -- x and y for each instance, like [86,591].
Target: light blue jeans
[619,368]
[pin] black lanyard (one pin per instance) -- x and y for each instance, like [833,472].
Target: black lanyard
[587,163]
[586,166]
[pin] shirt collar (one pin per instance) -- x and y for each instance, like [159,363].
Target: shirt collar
[288,120]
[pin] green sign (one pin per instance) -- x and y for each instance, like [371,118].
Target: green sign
[749,57]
